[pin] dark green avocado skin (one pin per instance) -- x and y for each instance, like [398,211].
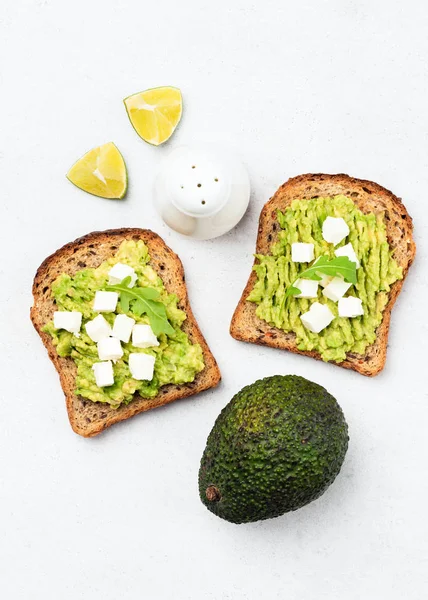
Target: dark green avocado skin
[275,447]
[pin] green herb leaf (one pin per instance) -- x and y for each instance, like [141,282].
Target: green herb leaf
[335,267]
[124,302]
[143,301]
[124,297]
[292,291]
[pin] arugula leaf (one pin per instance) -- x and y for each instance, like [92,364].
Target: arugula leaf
[292,291]
[144,301]
[335,267]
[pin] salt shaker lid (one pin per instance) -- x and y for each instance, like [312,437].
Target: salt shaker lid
[201,191]
[197,181]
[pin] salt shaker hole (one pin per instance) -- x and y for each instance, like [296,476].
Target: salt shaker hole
[199,184]
[203,202]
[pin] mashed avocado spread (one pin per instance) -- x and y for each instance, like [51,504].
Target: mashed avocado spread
[177,359]
[302,222]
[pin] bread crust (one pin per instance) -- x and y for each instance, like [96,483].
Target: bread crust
[89,418]
[368,197]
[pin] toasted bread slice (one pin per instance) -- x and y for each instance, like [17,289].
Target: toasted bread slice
[369,197]
[89,418]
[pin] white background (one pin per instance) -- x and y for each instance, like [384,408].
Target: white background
[296,87]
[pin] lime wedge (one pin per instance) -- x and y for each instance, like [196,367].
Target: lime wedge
[101,172]
[155,113]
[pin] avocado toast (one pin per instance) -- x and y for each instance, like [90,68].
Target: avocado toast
[68,280]
[381,231]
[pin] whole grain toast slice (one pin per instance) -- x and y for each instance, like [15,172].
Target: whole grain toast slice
[89,418]
[368,197]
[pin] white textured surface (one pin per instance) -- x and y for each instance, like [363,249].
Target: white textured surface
[296,87]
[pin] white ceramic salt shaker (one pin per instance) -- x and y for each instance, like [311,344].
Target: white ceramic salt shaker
[201,191]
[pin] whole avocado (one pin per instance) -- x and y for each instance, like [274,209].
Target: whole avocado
[275,447]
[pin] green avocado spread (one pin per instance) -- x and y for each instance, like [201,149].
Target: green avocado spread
[302,222]
[177,359]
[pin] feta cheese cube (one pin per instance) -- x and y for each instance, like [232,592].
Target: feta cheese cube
[325,280]
[103,372]
[122,328]
[301,252]
[118,273]
[336,289]
[334,230]
[98,328]
[307,287]
[105,301]
[318,317]
[348,250]
[350,307]
[109,349]
[141,366]
[143,337]
[70,320]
